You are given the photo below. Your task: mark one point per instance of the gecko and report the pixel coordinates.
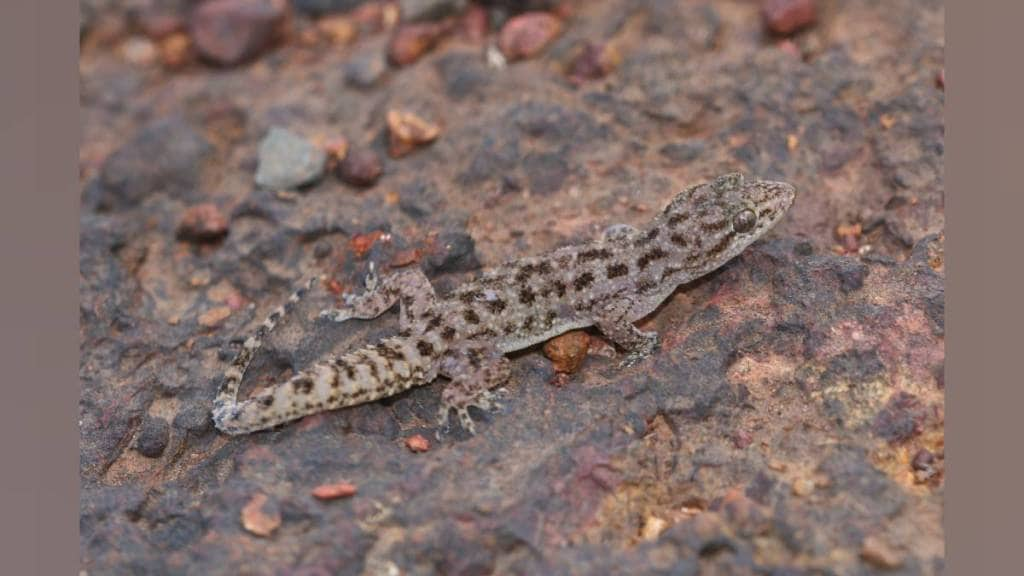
(609, 283)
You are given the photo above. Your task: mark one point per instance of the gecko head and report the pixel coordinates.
(718, 219)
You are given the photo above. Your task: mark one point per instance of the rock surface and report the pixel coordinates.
(791, 422)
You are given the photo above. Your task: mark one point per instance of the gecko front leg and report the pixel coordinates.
(475, 371)
(408, 287)
(613, 322)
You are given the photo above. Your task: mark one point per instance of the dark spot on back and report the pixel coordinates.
(594, 254)
(678, 240)
(469, 296)
(524, 273)
(526, 295)
(678, 217)
(389, 352)
(645, 285)
(425, 348)
(448, 333)
(350, 372)
(302, 385)
(267, 401)
(647, 238)
(616, 270)
(496, 306)
(651, 256)
(670, 270)
(583, 280)
(471, 317)
(528, 323)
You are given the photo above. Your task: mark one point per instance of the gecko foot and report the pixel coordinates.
(487, 400)
(336, 314)
(645, 349)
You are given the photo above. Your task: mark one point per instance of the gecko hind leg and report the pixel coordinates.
(477, 375)
(408, 287)
(613, 324)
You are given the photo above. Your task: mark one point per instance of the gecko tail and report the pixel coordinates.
(370, 373)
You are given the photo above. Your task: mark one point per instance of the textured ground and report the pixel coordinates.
(791, 423)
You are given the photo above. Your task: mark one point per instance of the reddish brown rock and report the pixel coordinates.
(159, 23)
(568, 351)
(334, 491)
(338, 29)
(411, 41)
(417, 443)
(474, 24)
(593, 62)
(360, 167)
(229, 32)
(175, 50)
(203, 223)
(788, 16)
(408, 131)
(261, 516)
(880, 554)
(527, 34)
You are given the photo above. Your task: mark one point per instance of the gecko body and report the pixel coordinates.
(609, 283)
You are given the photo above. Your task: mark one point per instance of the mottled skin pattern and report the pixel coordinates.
(608, 283)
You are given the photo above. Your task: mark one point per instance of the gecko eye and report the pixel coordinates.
(744, 221)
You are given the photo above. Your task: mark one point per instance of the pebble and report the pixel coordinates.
(334, 491)
(365, 69)
(411, 41)
(338, 29)
(261, 516)
(788, 16)
(158, 22)
(175, 50)
(139, 50)
(360, 167)
(426, 10)
(652, 528)
(167, 156)
(474, 25)
(567, 351)
(214, 316)
(322, 7)
(203, 223)
(452, 251)
(526, 35)
(879, 554)
(417, 443)
(408, 132)
(287, 160)
(153, 437)
(593, 62)
(229, 32)
(803, 487)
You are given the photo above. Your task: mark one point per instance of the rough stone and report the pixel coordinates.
(422, 10)
(166, 157)
(229, 32)
(153, 437)
(287, 160)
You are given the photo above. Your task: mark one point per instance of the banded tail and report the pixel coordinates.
(370, 373)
